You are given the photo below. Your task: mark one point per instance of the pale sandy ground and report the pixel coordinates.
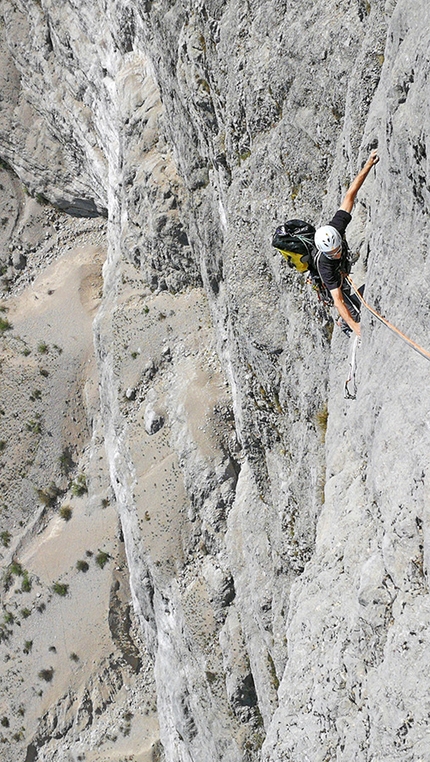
(49, 402)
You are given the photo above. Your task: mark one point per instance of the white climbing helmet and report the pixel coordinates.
(329, 241)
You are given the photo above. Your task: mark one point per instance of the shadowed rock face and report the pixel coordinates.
(278, 569)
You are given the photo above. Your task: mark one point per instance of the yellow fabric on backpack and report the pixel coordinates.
(295, 259)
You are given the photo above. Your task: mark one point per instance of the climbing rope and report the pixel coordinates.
(423, 352)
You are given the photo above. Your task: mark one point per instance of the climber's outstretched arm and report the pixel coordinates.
(348, 201)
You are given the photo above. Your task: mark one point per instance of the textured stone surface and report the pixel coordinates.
(278, 570)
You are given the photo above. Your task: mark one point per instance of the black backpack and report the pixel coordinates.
(295, 241)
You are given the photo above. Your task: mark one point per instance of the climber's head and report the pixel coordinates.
(329, 241)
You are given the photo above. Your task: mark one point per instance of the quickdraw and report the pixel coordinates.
(350, 388)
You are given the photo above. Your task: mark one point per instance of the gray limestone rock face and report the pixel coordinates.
(153, 419)
(276, 534)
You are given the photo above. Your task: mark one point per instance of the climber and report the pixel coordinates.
(331, 244)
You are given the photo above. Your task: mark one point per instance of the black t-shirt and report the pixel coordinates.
(331, 269)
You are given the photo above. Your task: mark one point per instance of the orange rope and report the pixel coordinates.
(413, 344)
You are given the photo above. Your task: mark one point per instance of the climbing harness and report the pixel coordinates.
(350, 388)
(423, 352)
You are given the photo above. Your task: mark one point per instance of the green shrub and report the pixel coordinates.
(5, 538)
(48, 496)
(26, 583)
(42, 347)
(60, 588)
(66, 512)
(102, 558)
(82, 566)
(28, 645)
(79, 486)
(66, 461)
(34, 426)
(16, 568)
(4, 633)
(41, 199)
(5, 325)
(46, 674)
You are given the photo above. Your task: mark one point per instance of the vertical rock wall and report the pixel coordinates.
(278, 571)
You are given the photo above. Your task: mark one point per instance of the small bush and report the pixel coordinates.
(46, 674)
(34, 426)
(42, 347)
(79, 486)
(48, 496)
(5, 325)
(5, 722)
(322, 420)
(4, 633)
(16, 568)
(28, 645)
(74, 657)
(26, 583)
(60, 588)
(25, 613)
(43, 372)
(2, 445)
(102, 558)
(82, 566)
(66, 512)
(5, 538)
(35, 395)
(66, 461)
(41, 199)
